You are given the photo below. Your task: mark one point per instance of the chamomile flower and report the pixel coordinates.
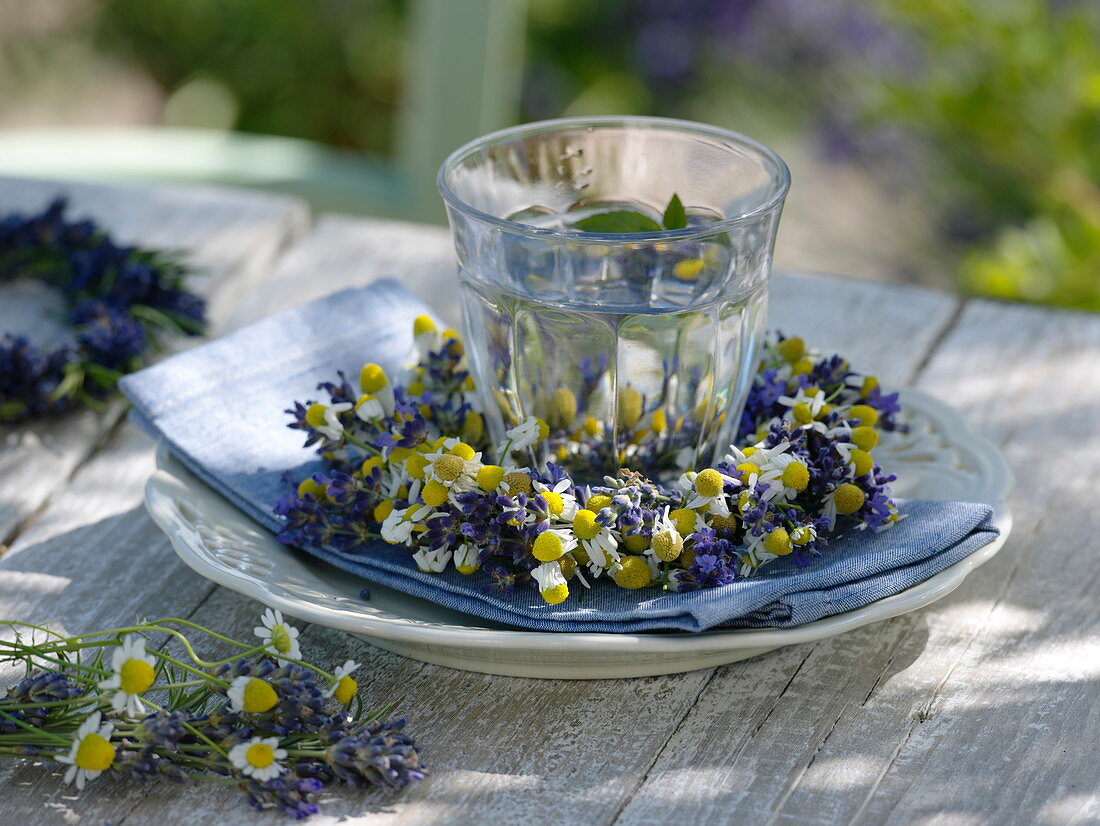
(426, 336)
(344, 686)
(706, 490)
(134, 672)
(432, 562)
(466, 558)
(597, 541)
(330, 426)
(562, 505)
(278, 635)
(805, 408)
(553, 544)
(91, 753)
(369, 408)
(376, 384)
(252, 695)
(527, 433)
(258, 758)
(551, 582)
(667, 543)
(450, 468)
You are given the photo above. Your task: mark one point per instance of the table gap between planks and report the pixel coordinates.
(983, 708)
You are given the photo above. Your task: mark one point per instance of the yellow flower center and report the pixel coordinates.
(280, 638)
(630, 407)
(462, 451)
(796, 476)
(559, 593)
(372, 378)
(95, 753)
(434, 494)
(688, 269)
(802, 413)
(260, 755)
(791, 348)
(345, 689)
(866, 414)
(517, 482)
(746, 470)
(684, 519)
(416, 465)
(659, 421)
(473, 426)
(135, 676)
(369, 464)
(544, 428)
(312, 488)
(554, 503)
(415, 388)
(802, 367)
(636, 542)
(382, 510)
(548, 547)
(667, 545)
(585, 525)
(801, 536)
(259, 696)
(455, 339)
(778, 542)
(489, 477)
(423, 324)
(448, 468)
(568, 566)
(592, 426)
(861, 462)
(865, 438)
(563, 407)
(399, 454)
(598, 502)
(709, 483)
(723, 523)
(869, 384)
(849, 498)
(634, 573)
(315, 415)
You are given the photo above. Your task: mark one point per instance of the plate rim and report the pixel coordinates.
(164, 486)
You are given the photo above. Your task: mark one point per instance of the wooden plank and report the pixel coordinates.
(231, 237)
(980, 709)
(502, 750)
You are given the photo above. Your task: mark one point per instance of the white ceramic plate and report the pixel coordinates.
(940, 458)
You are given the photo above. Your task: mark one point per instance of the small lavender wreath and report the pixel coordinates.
(121, 301)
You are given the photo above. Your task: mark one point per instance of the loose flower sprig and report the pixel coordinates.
(411, 464)
(121, 301)
(262, 719)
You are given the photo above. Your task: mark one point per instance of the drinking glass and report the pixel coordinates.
(637, 349)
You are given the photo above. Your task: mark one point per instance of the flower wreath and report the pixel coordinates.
(410, 462)
(120, 300)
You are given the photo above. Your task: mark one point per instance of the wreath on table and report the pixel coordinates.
(122, 303)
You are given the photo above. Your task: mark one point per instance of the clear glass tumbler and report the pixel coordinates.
(637, 349)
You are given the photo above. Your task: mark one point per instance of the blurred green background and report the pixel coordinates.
(952, 143)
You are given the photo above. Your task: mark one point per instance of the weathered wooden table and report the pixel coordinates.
(984, 708)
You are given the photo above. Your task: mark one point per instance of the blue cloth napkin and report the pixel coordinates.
(220, 409)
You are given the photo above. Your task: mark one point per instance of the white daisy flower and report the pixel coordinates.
(804, 409)
(376, 385)
(134, 671)
(705, 489)
(553, 544)
(552, 583)
(278, 636)
(597, 541)
(369, 408)
(466, 558)
(332, 428)
(344, 686)
(667, 542)
(251, 694)
(258, 758)
(432, 562)
(563, 506)
(426, 336)
(453, 471)
(526, 434)
(91, 753)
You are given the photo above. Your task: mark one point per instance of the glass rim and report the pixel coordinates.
(775, 196)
